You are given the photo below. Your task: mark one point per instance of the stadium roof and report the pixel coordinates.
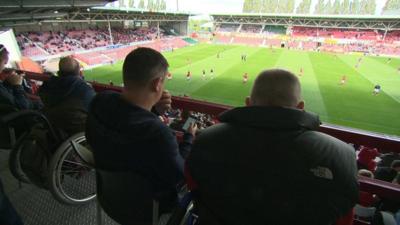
(36, 10)
(16, 15)
(135, 10)
(380, 17)
(385, 22)
(52, 3)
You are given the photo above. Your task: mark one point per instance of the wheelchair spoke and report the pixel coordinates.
(74, 182)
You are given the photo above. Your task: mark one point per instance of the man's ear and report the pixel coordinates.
(247, 101)
(156, 84)
(300, 105)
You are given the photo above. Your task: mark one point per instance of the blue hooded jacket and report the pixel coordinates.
(126, 137)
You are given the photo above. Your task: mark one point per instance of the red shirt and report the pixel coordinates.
(366, 199)
(366, 157)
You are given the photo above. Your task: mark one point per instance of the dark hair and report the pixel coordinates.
(2, 49)
(143, 65)
(395, 164)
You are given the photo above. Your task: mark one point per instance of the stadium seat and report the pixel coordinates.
(364, 212)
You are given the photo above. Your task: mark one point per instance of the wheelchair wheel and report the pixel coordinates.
(71, 180)
(14, 160)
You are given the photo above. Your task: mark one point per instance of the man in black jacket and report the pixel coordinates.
(11, 91)
(266, 163)
(126, 136)
(66, 97)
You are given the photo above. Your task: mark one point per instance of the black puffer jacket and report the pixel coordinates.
(267, 165)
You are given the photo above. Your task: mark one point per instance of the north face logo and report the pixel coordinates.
(322, 172)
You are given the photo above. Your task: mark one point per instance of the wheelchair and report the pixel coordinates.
(69, 178)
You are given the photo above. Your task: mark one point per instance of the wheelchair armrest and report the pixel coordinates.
(6, 119)
(16, 115)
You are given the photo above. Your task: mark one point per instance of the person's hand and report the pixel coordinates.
(15, 79)
(192, 129)
(164, 104)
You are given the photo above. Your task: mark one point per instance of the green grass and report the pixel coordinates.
(350, 105)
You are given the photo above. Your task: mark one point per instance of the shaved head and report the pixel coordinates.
(276, 87)
(68, 66)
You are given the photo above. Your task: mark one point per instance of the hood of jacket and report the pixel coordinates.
(273, 118)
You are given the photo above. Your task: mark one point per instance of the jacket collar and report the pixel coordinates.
(277, 118)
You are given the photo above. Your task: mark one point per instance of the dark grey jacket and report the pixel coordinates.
(15, 96)
(269, 165)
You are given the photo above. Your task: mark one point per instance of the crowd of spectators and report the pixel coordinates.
(64, 41)
(228, 28)
(125, 36)
(251, 28)
(42, 43)
(176, 118)
(336, 33)
(385, 167)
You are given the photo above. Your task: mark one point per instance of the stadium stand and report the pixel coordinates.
(30, 200)
(251, 28)
(228, 27)
(46, 43)
(348, 37)
(114, 54)
(336, 33)
(271, 30)
(56, 42)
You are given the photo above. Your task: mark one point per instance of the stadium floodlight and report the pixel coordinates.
(88, 9)
(55, 11)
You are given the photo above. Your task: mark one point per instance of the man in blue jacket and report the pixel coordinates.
(126, 135)
(66, 97)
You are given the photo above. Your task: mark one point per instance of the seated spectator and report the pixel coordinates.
(366, 158)
(266, 163)
(126, 136)
(367, 199)
(8, 215)
(388, 174)
(388, 158)
(66, 97)
(11, 91)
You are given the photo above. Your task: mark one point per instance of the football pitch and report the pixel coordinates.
(351, 104)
